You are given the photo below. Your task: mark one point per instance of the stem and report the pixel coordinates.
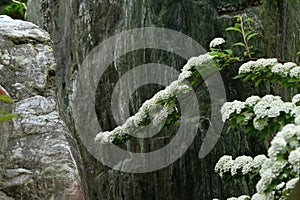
(244, 38)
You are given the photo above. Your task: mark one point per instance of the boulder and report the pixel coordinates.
(39, 158)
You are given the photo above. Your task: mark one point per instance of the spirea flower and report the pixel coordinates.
(224, 165)
(294, 159)
(239, 162)
(246, 67)
(296, 98)
(291, 183)
(277, 146)
(269, 106)
(160, 106)
(256, 164)
(265, 62)
(260, 124)
(231, 107)
(251, 101)
(295, 72)
(215, 42)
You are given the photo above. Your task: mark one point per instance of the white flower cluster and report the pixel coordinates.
(260, 109)
(283, 153)
(215, 42)
(296, 98)
(243, 197)
(287, 69)
(231, 107)
(152, 108)
(289, 135)
(245, 164)
(253, 66)
(285, 143)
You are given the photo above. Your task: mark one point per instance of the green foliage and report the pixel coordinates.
(246, 33)
(224, 58)
(283, 74)
(269, 123)
(16, 9)
(4, 116)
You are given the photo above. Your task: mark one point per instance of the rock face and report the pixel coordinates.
(77, 27)
(38, 155)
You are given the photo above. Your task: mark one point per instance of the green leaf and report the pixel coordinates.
(7, 117)
(258, 82)
(239, 76)
(5, 98)
(248, 37)
(3, 112)
(293, 80)
(229, 51)
(239, 44)
(248, 77)
(233, 29)
(240, 118)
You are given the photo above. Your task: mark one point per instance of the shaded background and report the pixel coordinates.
(78, 26)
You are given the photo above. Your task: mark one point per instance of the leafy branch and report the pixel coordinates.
(16, 9)
(224, 58)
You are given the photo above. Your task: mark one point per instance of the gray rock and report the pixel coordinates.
(38, 157)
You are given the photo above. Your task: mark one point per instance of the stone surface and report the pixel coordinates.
(76, 27)
(38, 156)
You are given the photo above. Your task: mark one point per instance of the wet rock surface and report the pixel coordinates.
(77, 27)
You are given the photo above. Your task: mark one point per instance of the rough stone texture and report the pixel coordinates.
(78, 26)
(38, 159)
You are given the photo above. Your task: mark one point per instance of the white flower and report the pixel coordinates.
(296, 111)
(264, 183)
(280, 186)
(258, 196)
(269, 106)
(283, 69)
(295, 72)
(289, 65)
(297, 120)
(278, 145)
(215, 42)
(260, 124)
(224, 165)
(265, 62)
(239, 162)
(294, 144)
(246, 67)
(251, 101)
(288, 132)
(183, 75)
(104, 137)
(243, 197)
(294, 159)
(291, 183)
(296, 98)
(231, 107)
(259, 160)
(288, 107)
(160, 117)
(279, 69)
(257, 163)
